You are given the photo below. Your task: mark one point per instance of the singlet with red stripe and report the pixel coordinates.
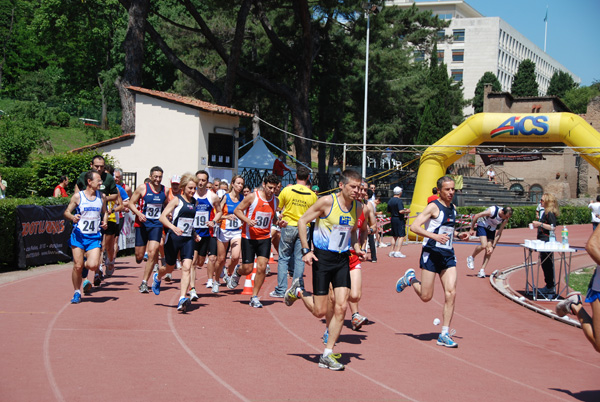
(261, 211)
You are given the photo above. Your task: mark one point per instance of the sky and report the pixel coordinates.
(573, 29)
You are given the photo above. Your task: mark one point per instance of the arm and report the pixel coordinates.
(315, 211)
(354, 238)
(164, 217)
(593, 246)
(416, 227)
(218, 211)
(72, 205)
(137, 194)
(104, 223)
(487, 212)
(240, 210)
(119, 206)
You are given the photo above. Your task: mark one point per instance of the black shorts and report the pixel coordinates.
(143, 235)
(332, 268)
(174, 245)
(120, 226)
(398, 227)
(206, 246)
(436, 262)
(255, 248)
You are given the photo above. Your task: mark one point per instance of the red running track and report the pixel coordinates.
(120, 345)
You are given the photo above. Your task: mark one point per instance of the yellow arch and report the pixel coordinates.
(567, 128)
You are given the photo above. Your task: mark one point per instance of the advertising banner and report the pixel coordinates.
(488, 159)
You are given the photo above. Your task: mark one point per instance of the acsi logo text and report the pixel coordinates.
(528, 125)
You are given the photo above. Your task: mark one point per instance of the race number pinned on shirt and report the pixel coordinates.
(153, 211)
(88, 225)
(447, 230)
(186, 225)
(263, 220)
(201, 219)
(339, 240)
(232, 224)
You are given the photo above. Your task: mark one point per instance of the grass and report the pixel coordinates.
(580, 279)
(64, 139)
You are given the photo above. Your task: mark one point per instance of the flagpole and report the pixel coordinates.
(546, 29)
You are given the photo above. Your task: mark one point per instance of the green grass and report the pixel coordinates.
(580, 279)
(64, 139)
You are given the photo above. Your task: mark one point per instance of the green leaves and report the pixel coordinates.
(524, 83)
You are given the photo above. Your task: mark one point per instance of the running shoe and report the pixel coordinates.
(168, 277)
(276, 295)
(183, 305)
(290, 294)
(234, 280)
(446, 340)
(215, 287)
(398, 254)
(145, 256)
(325, 336)
(268, 270)
(358, 321)
(87, 286)
(155, 284)
(110, 269)
(254, 302)
(331, 362)
(564, 306)
(481, 273)
(178, 264)
(193, 294)
(209, 284)
(405, 281)
(144, 288)
(470, 262)
(392, 254)
(76, 298)
(98, 279)
(383, 245)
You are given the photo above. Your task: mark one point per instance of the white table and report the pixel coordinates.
(532, 275)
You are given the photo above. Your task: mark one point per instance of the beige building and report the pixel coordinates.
(177, 133)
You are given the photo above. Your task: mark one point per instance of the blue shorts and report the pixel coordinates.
(85, 242)
(592, 295)
(436, 262)
(143, 235)
(184, 246)
(482, 231)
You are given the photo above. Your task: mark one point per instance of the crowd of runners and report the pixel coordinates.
(237, 228)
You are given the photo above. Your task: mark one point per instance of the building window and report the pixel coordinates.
(419, 55)
(220, 150)
(440, 56)
(535, 193)
(459, 35)
(457, 75)
(441, 35)
(445, 16)
(458, 55)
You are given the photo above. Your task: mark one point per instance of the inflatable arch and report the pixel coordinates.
(567, 128)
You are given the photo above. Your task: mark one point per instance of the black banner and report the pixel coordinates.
(488, 159)
(42, 235)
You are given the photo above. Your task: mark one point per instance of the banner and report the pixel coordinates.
(42, 235)
(127, 236)
(488, 159)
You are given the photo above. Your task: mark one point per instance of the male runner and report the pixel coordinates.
(149, 232)
(437, 256)
(335, 234)
(257, 212)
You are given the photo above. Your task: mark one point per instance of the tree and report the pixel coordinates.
(560, 83)
(524, 83)
(577, 99)
(487, 78)
(17, 140)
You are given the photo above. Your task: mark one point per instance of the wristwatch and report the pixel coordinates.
(306, 251)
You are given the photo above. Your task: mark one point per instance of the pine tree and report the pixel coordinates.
(487, 78)
(524, 83)
(560, 83)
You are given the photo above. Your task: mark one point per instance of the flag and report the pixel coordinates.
(546, 17)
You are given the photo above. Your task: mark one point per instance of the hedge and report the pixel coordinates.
(8, 223)
(18, 181)
(523, 216)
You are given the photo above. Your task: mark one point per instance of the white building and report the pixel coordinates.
(482, 44)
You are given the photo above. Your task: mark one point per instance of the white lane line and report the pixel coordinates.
(46, 351)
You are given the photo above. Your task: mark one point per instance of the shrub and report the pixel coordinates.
(18, 181)
(18, 139)
(63, 119)
(523, 216)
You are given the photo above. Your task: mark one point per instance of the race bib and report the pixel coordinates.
(263, 220)
(153, 211)
(201, 220)
(339, 239)
(233, 224)
(88, 226)
(448, 231)
(186, 225)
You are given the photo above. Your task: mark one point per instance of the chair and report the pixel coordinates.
(397, 164)
(387, 161)
(371, 161)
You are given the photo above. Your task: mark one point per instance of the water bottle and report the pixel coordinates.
(552, 236)
(565, 237)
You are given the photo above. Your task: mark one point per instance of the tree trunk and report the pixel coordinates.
(134, 60)
(104, 115)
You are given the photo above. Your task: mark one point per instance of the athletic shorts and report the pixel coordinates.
(276, 227)
(332, 268)
(184, 246)
(85, 242)
(592, 295)
(143, 235)
(225, 236)
(354, 262)
(252, 249)
(111, 228)
(398, 227)
(206, 246)
(482, 231)
(436, 262)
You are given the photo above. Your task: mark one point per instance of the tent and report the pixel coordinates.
(258, 157)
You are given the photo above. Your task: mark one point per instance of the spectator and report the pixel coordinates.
(491, 175)
(547, 223)
(3, 185)
(434, 195)
(398, 220)
(279, 167)
(595, 208)
(61, 188)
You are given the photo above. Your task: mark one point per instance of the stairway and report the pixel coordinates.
(481, 192)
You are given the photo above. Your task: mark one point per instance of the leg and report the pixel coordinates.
(548, 268)
(186, 269)
(221, 255)
(298, 263)
(424, 288)
(590, 325)
(261, 270)
(339, 312)
(448, 278)
(372, 247)
(77, 267)
(286, 248)
(356, 290)
(152, 248)
(236, 253)
(480, 247)
(139, 254)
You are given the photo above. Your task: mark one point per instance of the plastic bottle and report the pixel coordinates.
(552, 236)
(565, 237)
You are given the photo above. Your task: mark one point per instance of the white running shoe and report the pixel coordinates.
(209, 284)
(193, 295)
(470, 262)
(215, 287)
(398, 254)
(481, 273)
(178, 264)
(392, 254)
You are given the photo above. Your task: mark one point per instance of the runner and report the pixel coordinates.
(257, 212)
(335, 235)
(125, 192)
(110, 234)
(204, 224)
(149, 232)
(572, 303)
(90, 216)
(489, 233)
(172, 192)
(229, 234)
(180, 238)
(438, 254)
